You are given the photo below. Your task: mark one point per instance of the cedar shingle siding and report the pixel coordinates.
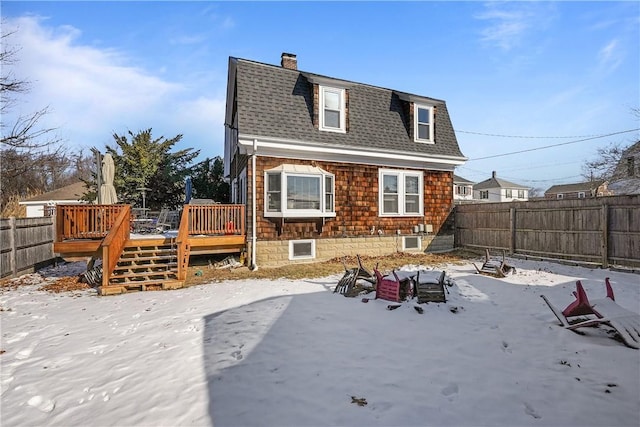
(356, 201)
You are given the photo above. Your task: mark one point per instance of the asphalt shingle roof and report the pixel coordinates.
(495, 182)
(573, 188)
(460, 180)
(278, 102)
(70, 192)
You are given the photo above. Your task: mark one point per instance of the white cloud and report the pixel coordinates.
(610, 56)
(510, 22)
(94, 92)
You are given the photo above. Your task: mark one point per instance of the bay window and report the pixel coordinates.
(299, 191)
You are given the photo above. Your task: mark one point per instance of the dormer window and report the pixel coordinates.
(423, 119)
(332, 102)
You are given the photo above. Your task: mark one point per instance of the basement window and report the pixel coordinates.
(411, 243)
(302, 249)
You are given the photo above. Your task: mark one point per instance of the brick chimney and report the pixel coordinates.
(289, 61)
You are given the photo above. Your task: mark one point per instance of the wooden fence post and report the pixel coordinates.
(604, 219)
(512, 226)
(12, 242)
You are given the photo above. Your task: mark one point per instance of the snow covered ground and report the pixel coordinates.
(292, 353)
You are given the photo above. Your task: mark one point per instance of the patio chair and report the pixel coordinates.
(606, 311)
(493, 267)
(351, 276)
(387, 288)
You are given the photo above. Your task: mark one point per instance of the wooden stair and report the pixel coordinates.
(145, 266)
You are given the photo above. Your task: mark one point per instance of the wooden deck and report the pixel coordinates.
(104, 232)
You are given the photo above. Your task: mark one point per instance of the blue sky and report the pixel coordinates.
(553, 72)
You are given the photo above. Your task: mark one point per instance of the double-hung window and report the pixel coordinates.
(508, 193)
(295, 191)
(332, 109)
(462, 190)
(423, 119)
(484, 194)
(400, 193)
(520, 194)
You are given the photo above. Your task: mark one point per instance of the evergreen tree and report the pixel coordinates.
(208, 180)
(146, 162)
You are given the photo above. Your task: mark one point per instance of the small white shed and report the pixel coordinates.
(44, 204)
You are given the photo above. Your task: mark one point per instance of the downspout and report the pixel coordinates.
(254, 239)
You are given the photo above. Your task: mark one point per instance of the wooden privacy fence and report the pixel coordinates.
(25, 244)
(603, 231)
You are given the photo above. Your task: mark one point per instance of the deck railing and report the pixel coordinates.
(215, 219)
(114, 243)
(113, 223)
(85, 221)
(182, 242)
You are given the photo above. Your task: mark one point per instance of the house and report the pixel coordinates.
(328, 167)
(626, 176)
(497, 189)
(44, 204)
(580, 190)
(462, 189)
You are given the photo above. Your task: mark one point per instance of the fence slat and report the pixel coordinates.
(603, 230)
(26, 243)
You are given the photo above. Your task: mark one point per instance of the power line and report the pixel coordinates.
(553, 145)
(525, 136)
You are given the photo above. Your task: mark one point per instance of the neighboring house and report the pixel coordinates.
(462, 189)
(497, 189)
(626, 177)
(329, 167)
(581, 190)
(44, 204)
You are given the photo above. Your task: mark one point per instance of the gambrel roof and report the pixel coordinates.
(276, 102)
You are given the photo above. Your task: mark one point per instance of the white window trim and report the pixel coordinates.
(300, 213)
(342, 93)
(404, 243)
(401, 174)
(313, 249)
(416, 107)
(581, 195)
(559, 196)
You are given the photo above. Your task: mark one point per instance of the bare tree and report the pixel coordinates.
(27, 150)
(608, 158)
(604, 165)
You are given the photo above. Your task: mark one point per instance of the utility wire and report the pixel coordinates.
(525, 136)
(553, 145)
